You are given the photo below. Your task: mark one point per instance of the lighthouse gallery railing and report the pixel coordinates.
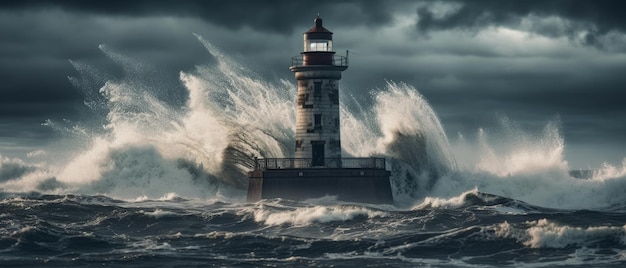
(291, 163)
(337, 60)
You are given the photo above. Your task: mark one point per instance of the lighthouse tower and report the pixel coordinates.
(318, 170)
(318, 70)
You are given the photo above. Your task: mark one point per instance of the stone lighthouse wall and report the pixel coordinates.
(317, 119)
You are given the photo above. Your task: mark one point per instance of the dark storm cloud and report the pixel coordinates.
(594, 18)
(587, 96)
(268, 16)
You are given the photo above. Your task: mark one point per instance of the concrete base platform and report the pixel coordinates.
(348, 184)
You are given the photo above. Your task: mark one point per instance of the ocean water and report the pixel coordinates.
(474, 229)
(155, 180)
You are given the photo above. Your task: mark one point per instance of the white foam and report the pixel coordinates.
(453, 202)
(158, 213)
(306, 216)
(169, 196)
(547, 234)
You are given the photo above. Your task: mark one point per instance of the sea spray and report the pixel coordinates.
(403, 128)
(147, 147)
(138, 144)
(224, 124)
(232, 116)
(527, 166)
(13, 168)
(609, 172)
(17, 175)
(402, 110)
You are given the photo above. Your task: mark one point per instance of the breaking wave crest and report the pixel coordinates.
(308, 215)
(147, 146)
(529, 167)
(408, 133)
(547, 234)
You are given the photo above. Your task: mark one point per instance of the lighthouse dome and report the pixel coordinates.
(318, 38)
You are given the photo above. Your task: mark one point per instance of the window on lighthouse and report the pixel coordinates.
(317, 121)
(318, 45)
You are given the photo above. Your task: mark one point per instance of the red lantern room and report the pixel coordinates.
(318, 45)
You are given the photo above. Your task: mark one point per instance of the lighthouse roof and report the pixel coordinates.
(317, 27)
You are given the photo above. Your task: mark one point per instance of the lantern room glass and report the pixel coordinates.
(318, 45)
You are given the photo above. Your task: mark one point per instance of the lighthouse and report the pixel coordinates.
(317, 168)
(318, 71)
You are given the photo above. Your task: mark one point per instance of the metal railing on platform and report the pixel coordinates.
(338, 60)
(291, 163)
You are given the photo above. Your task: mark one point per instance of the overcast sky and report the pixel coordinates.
(475, 61)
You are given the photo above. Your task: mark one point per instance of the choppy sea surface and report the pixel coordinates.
(473, 229)
(155, 176)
